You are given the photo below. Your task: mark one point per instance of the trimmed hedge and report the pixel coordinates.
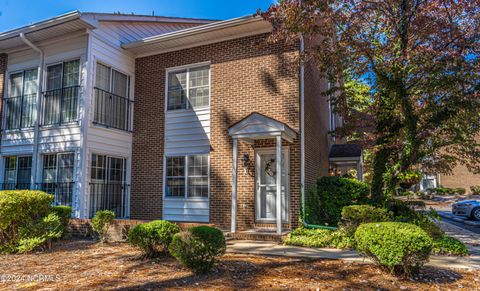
(401, 248)
(154, 237)
(27, 221)
(198, 248)
(101, 223)
(324, 202)
(63, 212)
(354, 215)
(475, 190)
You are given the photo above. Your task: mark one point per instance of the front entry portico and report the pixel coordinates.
(272, 194)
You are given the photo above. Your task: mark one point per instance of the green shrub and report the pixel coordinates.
(198, 248)
(41, 234)
(401, 248)
(459, 191)
(320, 238)
(154, 237)
(64, 213)
(449, 191)
(324, 201)
(475, 190)
(449, 246)
(101, 223)
(20, 210)
(354, 215)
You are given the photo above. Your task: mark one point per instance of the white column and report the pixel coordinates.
(279, 185)
(234, 185)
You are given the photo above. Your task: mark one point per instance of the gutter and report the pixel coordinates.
(302, 143)
(38, 105)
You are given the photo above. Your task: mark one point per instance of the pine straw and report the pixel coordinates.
(85, 265)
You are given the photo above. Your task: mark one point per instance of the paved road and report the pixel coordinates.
(475, 229)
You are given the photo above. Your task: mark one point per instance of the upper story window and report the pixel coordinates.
(20, 104)
(61, 96)
(188, 88)
(112, 104)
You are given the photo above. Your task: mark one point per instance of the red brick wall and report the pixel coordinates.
(3, 69)
(316, 126)
(245, 77)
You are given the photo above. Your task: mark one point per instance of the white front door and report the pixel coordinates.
(266, 189)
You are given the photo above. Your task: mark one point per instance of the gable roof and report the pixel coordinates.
(75, 21)
(259, 126)
(200, 35)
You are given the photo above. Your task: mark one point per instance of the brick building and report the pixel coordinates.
(188, 120)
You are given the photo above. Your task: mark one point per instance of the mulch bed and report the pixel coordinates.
(86, 265)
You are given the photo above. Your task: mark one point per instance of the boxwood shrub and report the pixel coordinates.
(154, 237)
(27, 221)
(101, 223)
(401, 248)
(320, 238)
(354, 215)
(198, 248)
(324, 201)
(449, 246)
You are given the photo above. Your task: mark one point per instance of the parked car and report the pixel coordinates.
(468, 208)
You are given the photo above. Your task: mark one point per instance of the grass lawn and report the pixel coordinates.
(86, 265)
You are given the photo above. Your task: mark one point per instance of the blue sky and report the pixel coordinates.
(16, 13)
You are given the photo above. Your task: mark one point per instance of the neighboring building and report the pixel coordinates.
(165, 118)
(460, 178)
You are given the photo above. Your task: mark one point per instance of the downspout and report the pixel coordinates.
(302, 143)
(38, 105)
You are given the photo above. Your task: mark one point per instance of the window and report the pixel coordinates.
(18, 172)
(112, 104)
(21, 102)
(187, 176)
(61, 95)
(188, 88)
(108, 189)
(58, 177)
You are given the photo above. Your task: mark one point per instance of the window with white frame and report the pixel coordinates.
(20, 104)
(58, 176)
(187, 176)
(112, 103)
(188, 88)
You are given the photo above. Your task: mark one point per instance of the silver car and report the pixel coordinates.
(468, 208)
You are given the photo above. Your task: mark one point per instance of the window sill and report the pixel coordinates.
(186, 199)
(63, 125)
(188, 110)
(15, 130)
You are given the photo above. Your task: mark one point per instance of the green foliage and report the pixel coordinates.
(399, 247)
(403, 212)
(198, 248)
(446, 245)
(41, 233)
(324, 201)
(320, 238)
(354, 215)
(64, 213)
(448, 191)
(475, 190)
(154, 237)
(23, 216)
(101, 223)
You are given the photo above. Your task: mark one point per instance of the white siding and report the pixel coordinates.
(187, 132)
(186, 210)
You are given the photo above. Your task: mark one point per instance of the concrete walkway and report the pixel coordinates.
(275, 249)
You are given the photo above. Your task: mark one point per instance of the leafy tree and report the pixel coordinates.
(421, 60)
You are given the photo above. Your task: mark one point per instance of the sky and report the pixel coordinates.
(17, 13)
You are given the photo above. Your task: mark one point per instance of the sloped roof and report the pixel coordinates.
(345, 151)
(258, 126)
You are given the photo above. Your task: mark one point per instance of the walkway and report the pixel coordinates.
(275, 249)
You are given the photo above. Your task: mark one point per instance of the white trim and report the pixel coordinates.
(302, 127)
(234, 185)
(188, 68)
(194, 30)
(271, 150)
